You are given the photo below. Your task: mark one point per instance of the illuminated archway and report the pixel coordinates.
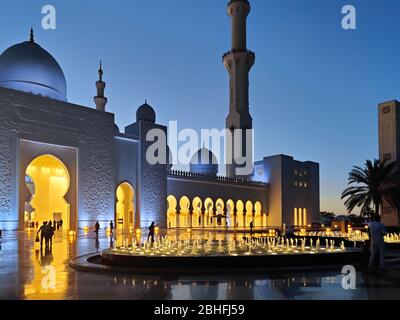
(240, 219)
(197, 214)
(48, 180)
(258, 214)
(220, 220)
(230, 208)
(249, 213)
(125, 207)
(171, 213)
(184, 205)
(209, 212)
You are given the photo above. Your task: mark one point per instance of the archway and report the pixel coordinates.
(209, 212)
(171, 213)
(258, 215)
(184, 205)
(249, 213)
(197, 214)
(48, 180)
(125, 207)
(220, 214)
(240, 222)
(230, 207)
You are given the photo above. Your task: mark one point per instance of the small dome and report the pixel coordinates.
(146, 113)
(204, 162)
(29, 68)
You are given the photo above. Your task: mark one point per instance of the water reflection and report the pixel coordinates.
(27, 272)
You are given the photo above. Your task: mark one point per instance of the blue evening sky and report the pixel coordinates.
(314, 87)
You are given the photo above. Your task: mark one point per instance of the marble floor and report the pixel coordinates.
(26, 272)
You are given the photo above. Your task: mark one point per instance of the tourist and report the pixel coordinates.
(42, 231)
(61, 223)
(377, 231)
(151, 232)
(49, 233)
(251, 227)
(97, 228)
(111, 228)
(37, 224)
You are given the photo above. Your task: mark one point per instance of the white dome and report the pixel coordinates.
(28, 67)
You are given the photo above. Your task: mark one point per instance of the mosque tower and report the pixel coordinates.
(100, 100)
(238, 62)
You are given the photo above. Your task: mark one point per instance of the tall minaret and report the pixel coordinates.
(100, 100)
(238, 62)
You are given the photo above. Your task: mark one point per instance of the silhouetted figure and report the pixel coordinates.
(42, 231)
(48, 234)
(37, 224)
(377, 231)
(97, 228)
(61, 223)
(151, 232)
(251, 227)
(111, 228)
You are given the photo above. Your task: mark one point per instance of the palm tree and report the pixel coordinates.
(371, 185)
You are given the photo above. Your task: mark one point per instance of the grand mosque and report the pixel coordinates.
(60, 160)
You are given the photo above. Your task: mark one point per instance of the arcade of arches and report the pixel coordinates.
(207, 213)
(48, 181)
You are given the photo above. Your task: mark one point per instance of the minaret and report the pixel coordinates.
(100, 100)
(238, 62)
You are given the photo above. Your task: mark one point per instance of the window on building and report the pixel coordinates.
(301, 184)
(387, 156)
(305, 184)
(295, 183)
(386, 109)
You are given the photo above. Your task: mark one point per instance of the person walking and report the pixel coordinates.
(151, 232)
(111, 228)
(97, 228)
(251, 227)
(49, 233)
(376, 230)
(42, 231)
(61, 223)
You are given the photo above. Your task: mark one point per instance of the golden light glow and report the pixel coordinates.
(48, 186)
(86, 229)
(125, 207)
(138, 231)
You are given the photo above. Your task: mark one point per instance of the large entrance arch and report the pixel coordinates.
(48, 181)
(125, 208)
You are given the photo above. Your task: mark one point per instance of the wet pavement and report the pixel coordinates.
(26, 272)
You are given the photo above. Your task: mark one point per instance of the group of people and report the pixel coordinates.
(46, 231)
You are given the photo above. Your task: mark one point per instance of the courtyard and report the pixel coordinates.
(28, 273)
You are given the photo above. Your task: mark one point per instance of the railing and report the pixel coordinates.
(206, 177)
(236, 51)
